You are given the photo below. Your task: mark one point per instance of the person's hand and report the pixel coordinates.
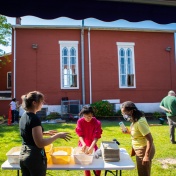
(145, 160)
(64, 135)
(83, 148)
(169, 111)
(127, 131)
(50, 132)
(89, 151)
(133, 152)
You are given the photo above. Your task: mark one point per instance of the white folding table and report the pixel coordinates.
(125, 163)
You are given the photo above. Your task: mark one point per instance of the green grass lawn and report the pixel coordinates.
(9, 137)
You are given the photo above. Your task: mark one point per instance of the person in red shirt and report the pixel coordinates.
(89, 131)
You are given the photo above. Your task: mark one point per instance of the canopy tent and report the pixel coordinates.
(159, 11)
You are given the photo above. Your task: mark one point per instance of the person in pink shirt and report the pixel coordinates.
(89, 131)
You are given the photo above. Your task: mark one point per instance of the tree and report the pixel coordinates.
(5, 37)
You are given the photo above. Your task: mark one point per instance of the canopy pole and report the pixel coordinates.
(82, 58)
(14, 66)
(90, 68)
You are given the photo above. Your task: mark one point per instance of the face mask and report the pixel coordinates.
(127, 117)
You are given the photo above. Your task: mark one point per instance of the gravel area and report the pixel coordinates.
(166, 162)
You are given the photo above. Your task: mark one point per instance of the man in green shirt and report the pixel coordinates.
(168, 104)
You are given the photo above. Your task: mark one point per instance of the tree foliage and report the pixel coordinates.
(5, 33)
(5, 38)
(4, 60)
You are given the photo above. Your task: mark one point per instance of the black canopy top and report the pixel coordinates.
(159, 11)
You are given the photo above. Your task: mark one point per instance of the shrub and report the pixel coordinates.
(53, 115)
(157, 115)
(102, 108)
(118, 113)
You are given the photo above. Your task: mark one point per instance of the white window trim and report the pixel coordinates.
(7, 80)
(69, 44)
(131, 46)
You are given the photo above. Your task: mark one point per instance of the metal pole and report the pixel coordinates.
(90, 68)
(14, 66)
(82, 58)
(175, 47)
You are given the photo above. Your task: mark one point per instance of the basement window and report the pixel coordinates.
(5, 95)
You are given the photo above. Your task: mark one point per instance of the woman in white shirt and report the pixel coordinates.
(13, 109)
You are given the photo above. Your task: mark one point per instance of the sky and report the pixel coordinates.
(31, 20)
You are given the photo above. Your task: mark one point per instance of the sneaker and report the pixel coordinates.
(174, 142)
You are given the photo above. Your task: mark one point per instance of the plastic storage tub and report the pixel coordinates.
(61, 155)
(48, 151)
(82, 158)
(13, 155)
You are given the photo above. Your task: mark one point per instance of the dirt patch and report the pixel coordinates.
(166, 162)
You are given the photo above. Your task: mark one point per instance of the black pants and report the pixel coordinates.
(33, 161)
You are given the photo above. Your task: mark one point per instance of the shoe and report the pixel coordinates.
(173, 142)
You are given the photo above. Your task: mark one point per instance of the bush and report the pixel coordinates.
(102, 108)
(118, 113)
(53, 115)
(157, 115)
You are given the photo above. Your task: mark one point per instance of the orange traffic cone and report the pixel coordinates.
(9, 117)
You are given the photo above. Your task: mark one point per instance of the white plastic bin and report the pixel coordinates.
(82, 158)
(13, 155)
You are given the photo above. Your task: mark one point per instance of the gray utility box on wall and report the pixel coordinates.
(70, 107)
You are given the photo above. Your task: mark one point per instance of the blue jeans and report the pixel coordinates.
(16, 116)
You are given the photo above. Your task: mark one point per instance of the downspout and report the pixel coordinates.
(175, 47)
(90, 68)
(14, 65)
(82, 57)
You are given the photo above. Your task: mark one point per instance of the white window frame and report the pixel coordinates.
(125, 46)
(9, 87)
(69, 45)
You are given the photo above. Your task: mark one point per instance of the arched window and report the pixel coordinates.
(126, 65)
(69, 64)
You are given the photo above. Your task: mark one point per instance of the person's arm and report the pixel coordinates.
(80, 132)
(83, 143)
(148, 148)
(97, 135)
(165, 109)
(41, 142)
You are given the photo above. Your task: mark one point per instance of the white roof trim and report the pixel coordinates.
(92, 28)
